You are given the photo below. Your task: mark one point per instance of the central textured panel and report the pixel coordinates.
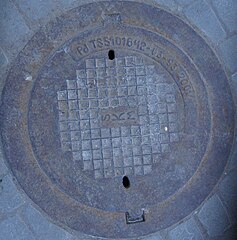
(118, 117)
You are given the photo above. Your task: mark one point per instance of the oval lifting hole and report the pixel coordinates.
(111, 55)
(126, 182)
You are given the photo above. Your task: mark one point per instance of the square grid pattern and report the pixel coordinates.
(125, 150)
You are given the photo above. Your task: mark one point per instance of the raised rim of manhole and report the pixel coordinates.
(116, 115)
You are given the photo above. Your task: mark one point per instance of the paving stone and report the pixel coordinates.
(234, 77)
(184, 2)
(228, 190)
(234, 82)
(186, 231)
(152, 237)
(155, 236)
(229, 53)
(44, 230)
(230, 234)
(233, 161)
(200, 14)
(14, 31)
(10, 197)
(14, 229)
(3, 75)
(227, 10)
(37, 12)
(85, 237)
(214, 217)
(3, 167)
(171, 4)
(3, 59)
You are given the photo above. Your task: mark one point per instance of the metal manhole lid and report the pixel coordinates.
(115, 118)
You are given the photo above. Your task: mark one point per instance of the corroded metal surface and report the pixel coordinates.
(112, 90)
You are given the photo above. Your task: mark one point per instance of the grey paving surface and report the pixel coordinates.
(3, 167)
(14, 31)
(214, 217)
(198, 13)
(228, 193)
(3, 58)
(10, 198)
(217, 217)
(14, 228)
(229, 52)
(226, 10)
(184, 2)
(41, 227)
(187, 230)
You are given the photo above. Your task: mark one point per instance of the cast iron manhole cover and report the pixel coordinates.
(117, 119)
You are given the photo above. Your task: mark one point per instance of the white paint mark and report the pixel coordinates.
(29, 78)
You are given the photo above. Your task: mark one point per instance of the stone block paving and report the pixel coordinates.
(186, 230)
(233, 163)
(217, 217)
(228, 193)
(41, 226)
(14, 228)
(3, 167)
(10, 198)
(201, 15)
(184, 2)
(14, 31)
(229, 53)
(45, 10)
(227, 10)
(3, 59)
(214, 217)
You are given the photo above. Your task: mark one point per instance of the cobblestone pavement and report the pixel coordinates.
(216, 219)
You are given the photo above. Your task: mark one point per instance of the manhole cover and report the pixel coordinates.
(117, 119)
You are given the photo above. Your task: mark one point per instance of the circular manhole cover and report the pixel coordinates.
(118, 119)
